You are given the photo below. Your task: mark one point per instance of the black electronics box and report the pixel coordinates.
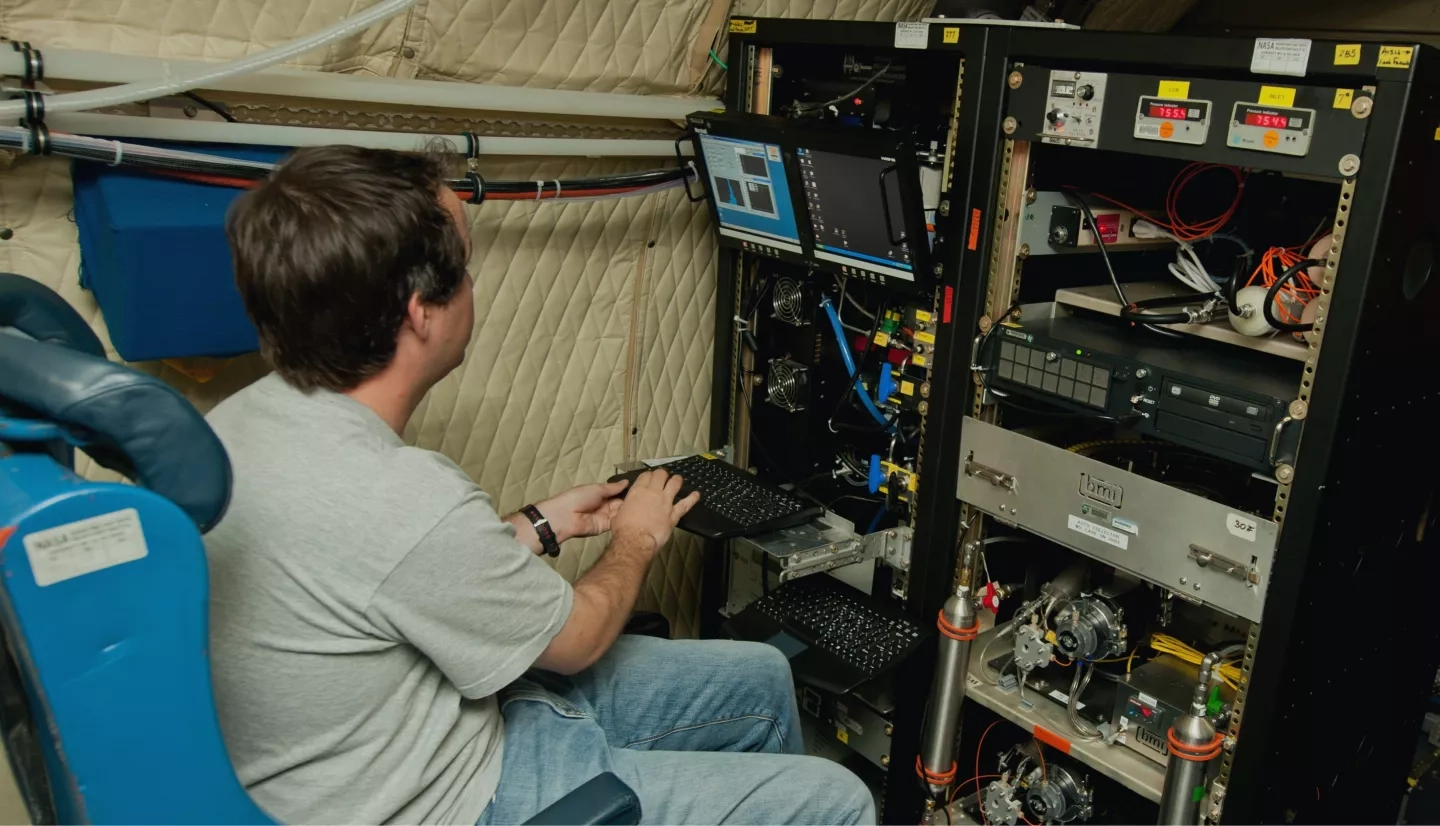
(1225, 401)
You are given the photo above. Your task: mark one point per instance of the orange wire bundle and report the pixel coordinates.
(1300, 288)
(1175, 224)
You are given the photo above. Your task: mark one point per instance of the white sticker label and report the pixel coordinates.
(1147, 699)
(1273, 56)
(912, 35)
(1065, 698)
(1241, 526)
(1126, 525)
(84, 547)
(1099, 532)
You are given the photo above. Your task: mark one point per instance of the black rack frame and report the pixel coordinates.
(1353, 538)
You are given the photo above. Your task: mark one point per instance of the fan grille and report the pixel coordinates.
(789, 301)
(785, 384)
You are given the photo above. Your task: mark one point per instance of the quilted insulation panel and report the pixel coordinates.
(641, 46)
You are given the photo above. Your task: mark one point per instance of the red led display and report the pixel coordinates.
(1266, 121)
(1160, 110)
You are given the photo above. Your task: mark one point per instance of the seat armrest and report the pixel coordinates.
(602, 800)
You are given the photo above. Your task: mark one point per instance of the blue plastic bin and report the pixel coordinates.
(153, 251)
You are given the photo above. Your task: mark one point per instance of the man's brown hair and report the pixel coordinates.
(328, 251)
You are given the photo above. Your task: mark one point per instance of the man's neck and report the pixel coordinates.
(392, 396)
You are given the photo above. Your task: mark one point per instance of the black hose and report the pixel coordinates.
(1135, 311)
(1268, 308)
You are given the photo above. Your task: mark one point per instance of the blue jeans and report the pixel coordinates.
(703, 731)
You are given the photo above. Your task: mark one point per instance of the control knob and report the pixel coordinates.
(1056, 117)
(1085, 92)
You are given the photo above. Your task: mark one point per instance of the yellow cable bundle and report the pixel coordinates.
(1166, 644)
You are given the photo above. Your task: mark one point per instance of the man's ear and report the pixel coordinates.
(417, 317)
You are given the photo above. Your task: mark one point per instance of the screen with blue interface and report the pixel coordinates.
(747, 181)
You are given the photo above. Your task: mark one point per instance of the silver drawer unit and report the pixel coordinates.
(1202, 550)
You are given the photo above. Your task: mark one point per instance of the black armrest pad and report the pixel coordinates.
(601, 801)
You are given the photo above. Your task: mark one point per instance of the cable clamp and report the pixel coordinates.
(34, 63)
(34, 106)
(742, 325)
(478, 187)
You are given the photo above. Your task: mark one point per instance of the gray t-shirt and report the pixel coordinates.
(366, 603)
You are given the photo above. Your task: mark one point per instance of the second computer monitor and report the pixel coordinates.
(856, 213)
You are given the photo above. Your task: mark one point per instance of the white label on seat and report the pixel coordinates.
(86, 546)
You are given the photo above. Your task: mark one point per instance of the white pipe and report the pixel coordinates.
(100, 67)
(168, 84)
(174, 129)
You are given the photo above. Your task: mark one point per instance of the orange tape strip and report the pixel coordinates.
(1051, 739)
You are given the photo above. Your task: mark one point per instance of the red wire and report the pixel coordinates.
(978, 746)
(1177, 226)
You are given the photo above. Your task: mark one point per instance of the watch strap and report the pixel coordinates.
(549, 542)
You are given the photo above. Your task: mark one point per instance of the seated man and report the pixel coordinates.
(385, 646)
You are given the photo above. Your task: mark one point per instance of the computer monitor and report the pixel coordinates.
(862, 218)
(753, 207)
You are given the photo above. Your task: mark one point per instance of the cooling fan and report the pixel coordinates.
(787, 385)
(789, 301)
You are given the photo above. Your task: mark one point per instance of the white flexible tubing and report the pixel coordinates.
(103, 67)
(145, 90)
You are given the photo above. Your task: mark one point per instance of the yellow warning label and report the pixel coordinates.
(951, 34)
(741, 26)
(1276, 96)
(882, 339)
(1395, 57)
(925, 338)
(1174, 89)
(922, 316)
(712, 457)
(1347, 54)
(1343, 98)
(914, 483)
(907, 388)
(919, 360)
(1437, 137)
(842, 735)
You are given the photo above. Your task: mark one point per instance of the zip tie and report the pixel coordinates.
(557, 189)
(119, 153)
(539, 189)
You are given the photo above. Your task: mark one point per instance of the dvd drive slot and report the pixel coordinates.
(1203, 550)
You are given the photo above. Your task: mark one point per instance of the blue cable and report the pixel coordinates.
(850, 366)
(875, 523)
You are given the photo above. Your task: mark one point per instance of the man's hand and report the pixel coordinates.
(649, 511)
(606, 594)
(583, 511)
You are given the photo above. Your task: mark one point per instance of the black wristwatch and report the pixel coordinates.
(549, 543)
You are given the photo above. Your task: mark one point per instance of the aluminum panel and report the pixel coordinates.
(1122, 519)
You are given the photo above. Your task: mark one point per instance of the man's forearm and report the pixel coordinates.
(607, 594)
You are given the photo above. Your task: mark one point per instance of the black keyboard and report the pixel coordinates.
(852, 637)
(732, 502)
